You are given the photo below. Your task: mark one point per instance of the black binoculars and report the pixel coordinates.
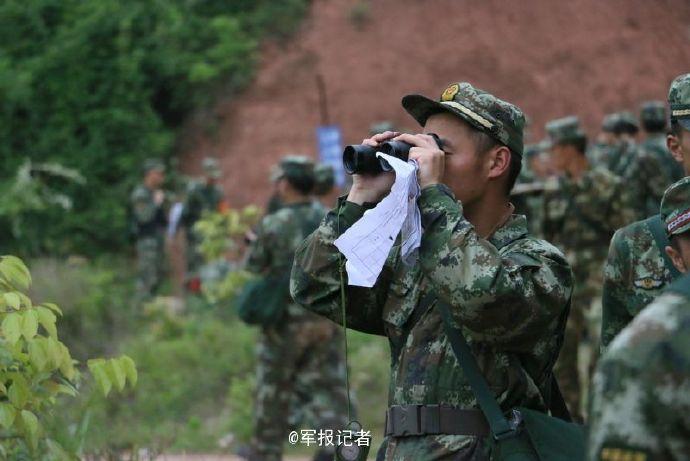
(361, 159)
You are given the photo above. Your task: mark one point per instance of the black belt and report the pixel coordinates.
(409, 420)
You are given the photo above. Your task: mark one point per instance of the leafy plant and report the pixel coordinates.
(222, 239)
(100, 86)
(36, 367)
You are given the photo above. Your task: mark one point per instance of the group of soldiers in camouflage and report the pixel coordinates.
(582, 197)
(599, 259)
(152, 215)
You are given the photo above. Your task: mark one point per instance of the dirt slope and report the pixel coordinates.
(584, 57)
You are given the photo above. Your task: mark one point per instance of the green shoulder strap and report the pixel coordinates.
(681, 286)
(656, 227)
(500, 427)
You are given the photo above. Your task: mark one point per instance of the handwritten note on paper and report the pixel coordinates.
(368, 242)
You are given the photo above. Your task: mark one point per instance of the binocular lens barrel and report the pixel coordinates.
(361, 159)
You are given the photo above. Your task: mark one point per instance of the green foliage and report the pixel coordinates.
(99, 86)
(36, 367)
(223, 232)
(35, 189)
(222, 237)
(186, 365)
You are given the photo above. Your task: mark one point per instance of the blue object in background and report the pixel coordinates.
(330, 142)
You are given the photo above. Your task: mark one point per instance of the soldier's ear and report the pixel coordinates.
(499, 161)
(676, 258)
(674, 146)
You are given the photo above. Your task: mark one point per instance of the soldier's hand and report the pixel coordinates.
(372, 188)
(158, 197)
(429, 156)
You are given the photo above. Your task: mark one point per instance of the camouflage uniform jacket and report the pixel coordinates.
(149, 219)
(640, 407)
(201, 197)
(623, 155)
(634, 274)
(650, 172)
(277, 237)
(509, 294)
(582, 215)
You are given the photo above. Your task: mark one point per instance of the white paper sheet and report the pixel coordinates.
(368, 242)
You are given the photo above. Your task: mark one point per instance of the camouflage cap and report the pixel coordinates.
(608, 124)
(532, 150)
(325, 178)
(152, 164)
(626, 123)
(296, 167)
(653, 111)
(564, 130)
(679, 100)
(675, 207)
(211, 167)
(499, 119)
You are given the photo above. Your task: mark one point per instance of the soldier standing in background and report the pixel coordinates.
(528, 193)
(625, 150)
(320, 399)
(299, 343)
(149, 220)
(637, 269)
(640, 406)
(203, 196)
(602, 152)
(652, 168)
(664, 169)
(582, 213)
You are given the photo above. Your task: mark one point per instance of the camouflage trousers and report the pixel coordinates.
(580, 348)
(150, 266)
(435, 448)
(194, 258)
(300, 382)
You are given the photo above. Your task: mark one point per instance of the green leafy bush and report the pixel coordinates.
(99, 86)
(186, 366)
(36, 368)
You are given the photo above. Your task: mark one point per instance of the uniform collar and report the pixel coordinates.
(514, 229)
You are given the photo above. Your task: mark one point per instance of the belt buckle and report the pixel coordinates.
(430, 419)
(406, 420)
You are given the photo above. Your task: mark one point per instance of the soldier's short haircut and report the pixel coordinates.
(580, 144)
(484, 143)
(654, 126)
(304, 185)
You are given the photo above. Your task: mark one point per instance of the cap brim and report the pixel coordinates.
(685, 123)
(681, 230)
(421, 108)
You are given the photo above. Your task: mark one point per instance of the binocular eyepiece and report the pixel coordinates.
(362, 159)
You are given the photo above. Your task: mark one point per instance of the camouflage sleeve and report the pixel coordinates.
(617, 278)
(624, 208)
(510, 299)
(259, 255)
(143, 207)
(317, 270)
(640, 405)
